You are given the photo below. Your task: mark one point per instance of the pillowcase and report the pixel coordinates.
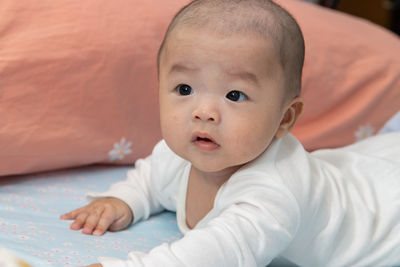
(79, 80)
(351, 76)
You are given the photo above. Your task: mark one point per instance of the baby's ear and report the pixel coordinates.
(293, 111)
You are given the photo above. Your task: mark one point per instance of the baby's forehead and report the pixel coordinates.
(236, 55)
(187, 38)
(240, 19)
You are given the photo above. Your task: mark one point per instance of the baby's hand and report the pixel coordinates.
(100, 215)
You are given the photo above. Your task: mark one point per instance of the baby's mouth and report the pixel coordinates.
(204, 142)
(203, 139)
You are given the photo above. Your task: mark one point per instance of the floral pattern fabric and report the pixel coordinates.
(120, 150)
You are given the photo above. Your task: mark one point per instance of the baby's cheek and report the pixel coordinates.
(174, 131)
(168, 120)
(250, 144)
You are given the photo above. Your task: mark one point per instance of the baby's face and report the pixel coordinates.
(221, 98)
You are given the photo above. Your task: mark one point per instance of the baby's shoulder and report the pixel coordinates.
(164, 158)
(165, 164)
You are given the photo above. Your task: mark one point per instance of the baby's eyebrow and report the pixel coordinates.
(240, 74)
(244, 75)
(178, 67)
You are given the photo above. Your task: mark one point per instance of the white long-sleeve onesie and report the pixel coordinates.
(337, 207)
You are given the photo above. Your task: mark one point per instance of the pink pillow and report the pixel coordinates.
(76, 78)
(351, 77)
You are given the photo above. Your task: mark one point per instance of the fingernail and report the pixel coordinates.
(97, 232)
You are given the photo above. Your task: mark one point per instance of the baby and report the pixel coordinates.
(243, 188)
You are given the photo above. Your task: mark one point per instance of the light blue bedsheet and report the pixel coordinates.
(30, 207)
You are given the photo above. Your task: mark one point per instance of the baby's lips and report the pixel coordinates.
(203, 136)
(204, 142)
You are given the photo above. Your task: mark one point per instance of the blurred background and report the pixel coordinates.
(383, 12)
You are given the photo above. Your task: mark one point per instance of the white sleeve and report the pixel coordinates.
(135, 191)
(247, 234)
(151, 186)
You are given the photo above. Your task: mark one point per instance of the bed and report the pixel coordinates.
(78, 106)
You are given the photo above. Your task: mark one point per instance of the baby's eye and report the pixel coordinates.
(236, 96)
(184, 89)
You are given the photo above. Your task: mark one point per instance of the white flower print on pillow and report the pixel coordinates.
(120, 150)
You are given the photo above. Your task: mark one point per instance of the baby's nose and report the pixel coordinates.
(206, 113)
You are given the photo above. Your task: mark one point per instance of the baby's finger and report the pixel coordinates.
(106, 219)
(101, 227)
(79, 221)
(71, 215)
(92, 220)
(119, 223)
(90, 224)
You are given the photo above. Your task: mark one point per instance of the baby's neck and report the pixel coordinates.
(201, 191)
(214, 178)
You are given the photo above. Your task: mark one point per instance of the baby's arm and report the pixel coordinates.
(100, 215)
(125, 202)
(250, 230)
